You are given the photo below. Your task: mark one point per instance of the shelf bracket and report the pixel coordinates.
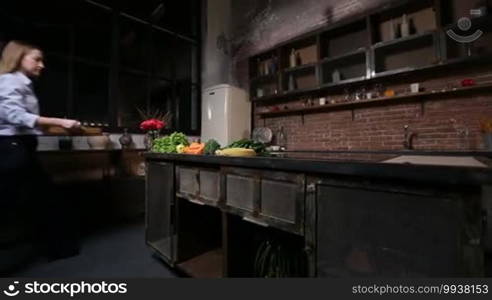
(422, 108)
(302, 118)
(353, 115)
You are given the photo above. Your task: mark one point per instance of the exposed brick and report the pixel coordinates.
(377, 127)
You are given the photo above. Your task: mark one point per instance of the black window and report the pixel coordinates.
(106, 59)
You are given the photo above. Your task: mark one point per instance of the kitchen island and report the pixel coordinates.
(351, 214)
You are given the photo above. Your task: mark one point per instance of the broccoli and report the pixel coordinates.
(211, 146)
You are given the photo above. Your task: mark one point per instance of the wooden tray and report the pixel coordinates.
(82, 131)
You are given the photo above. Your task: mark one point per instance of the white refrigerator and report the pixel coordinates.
(226, 114)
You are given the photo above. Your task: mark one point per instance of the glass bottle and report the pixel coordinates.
(292, 58)
(336, 76)
(281, 138)
(292, 83)
(405, 27)
(298, 59)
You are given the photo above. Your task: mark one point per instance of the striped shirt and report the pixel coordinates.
(19, 107)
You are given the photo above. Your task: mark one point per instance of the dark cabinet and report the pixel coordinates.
(369, 229)
(210, 221)
(266, 198)
(160, 212)
(198, 185)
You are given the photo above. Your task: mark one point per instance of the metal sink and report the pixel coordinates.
(436, 160)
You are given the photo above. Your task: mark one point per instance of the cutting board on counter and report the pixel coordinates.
(82, 131)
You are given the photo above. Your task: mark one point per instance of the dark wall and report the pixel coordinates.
(258, 25)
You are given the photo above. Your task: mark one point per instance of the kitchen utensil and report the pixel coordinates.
(263, 135)
(82, 131)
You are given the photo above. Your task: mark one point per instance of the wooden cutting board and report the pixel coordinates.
(82, 131)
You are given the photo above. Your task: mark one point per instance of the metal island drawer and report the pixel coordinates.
(266, 198)
(199, 185)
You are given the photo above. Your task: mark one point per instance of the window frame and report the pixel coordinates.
(115, 67)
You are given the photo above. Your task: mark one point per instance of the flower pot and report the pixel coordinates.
(149, 138)
(487, 139)
(98, 142)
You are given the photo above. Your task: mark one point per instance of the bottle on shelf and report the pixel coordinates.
(411, 26)
(298, 59)
(392, 30)
(292, 58)
(259, 68)
(259, 93)
(292, 83)
(336, 76)
(281, 139)
(405, 26)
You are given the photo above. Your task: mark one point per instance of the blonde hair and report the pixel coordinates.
(13, 54)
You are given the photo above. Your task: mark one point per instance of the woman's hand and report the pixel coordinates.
(69, 124)
(64, 123)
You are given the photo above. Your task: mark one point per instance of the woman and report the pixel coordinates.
(23, 184)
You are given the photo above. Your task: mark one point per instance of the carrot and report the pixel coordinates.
(195, 148)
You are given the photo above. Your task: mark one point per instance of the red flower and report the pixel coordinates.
(152, 124)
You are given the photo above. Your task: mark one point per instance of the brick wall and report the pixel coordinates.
(445, 123)
(381, 128)
(448, 122)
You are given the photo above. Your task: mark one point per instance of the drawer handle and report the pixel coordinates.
(255, 222)
(196, 202)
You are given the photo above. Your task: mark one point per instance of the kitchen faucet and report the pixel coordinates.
(408, 138)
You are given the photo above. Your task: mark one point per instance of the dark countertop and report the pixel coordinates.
(355, 163)
(74, 151)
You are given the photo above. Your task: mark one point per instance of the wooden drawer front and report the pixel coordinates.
(210, 185)
(279, 199)
(188, 181)
(241, 192)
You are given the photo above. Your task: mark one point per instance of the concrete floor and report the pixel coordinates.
(118, 251)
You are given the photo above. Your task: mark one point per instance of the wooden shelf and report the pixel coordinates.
(344, 82)
(376, 101)
(300, 68)
(381, 58)
(268, 97)
(377, 76)
(342, 57)
(264, 78)
(403, 41)
(207, 265)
